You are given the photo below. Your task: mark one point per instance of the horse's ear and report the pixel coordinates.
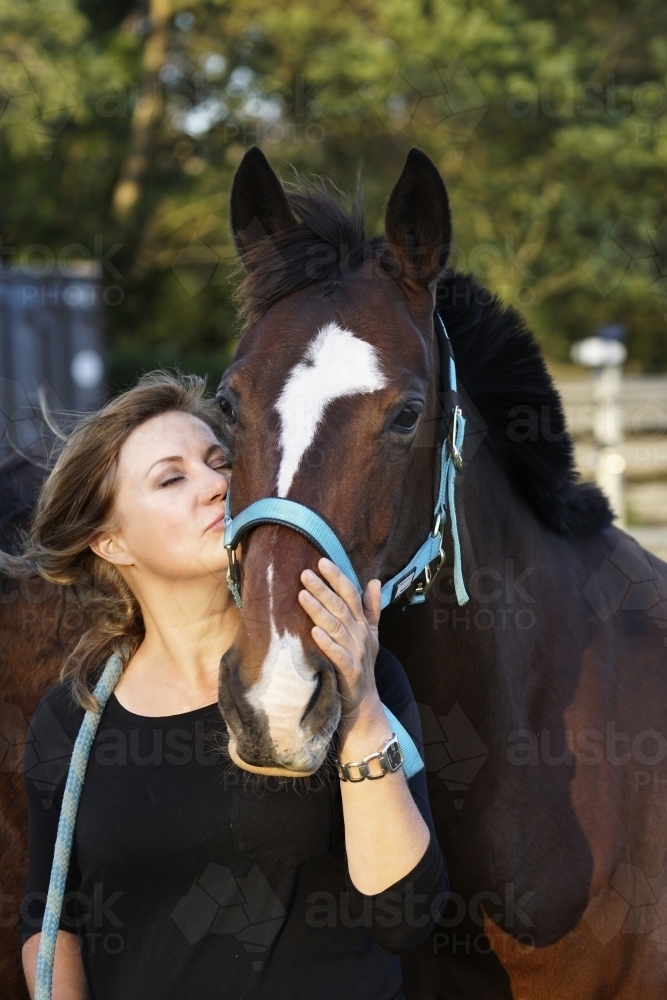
(418, 224)
(258, 205)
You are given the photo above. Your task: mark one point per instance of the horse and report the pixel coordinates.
(544, 699)
(32, 652)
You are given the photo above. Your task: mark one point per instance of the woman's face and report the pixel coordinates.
(173, 477)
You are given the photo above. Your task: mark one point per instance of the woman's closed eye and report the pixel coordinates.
(171, 479)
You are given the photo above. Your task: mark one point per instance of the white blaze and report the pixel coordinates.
(336, 363)
(285, 685)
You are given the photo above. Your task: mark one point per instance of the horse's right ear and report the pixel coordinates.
(418, 224)
(258, 205)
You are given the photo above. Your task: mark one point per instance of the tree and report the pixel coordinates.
(548, 125)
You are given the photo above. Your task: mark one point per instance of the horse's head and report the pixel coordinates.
(332, 401)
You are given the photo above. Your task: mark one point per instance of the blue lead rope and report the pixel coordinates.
(62, 853)
(63, 848)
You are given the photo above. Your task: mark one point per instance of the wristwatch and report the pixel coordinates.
(389, 758)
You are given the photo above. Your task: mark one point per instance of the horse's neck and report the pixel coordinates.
(523, 581)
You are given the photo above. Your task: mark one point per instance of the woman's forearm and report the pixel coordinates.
(385, 834)
(69, 980)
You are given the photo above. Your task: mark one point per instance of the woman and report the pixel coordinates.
(190, 877)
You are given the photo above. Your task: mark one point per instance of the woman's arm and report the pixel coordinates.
(69, 981)
(385, 834)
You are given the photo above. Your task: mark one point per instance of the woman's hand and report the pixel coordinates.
(385, 834)
(69, 979)
(346, 630)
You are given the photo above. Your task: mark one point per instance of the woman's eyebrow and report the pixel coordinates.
(168, 458)
(214, 447)
(179, 458)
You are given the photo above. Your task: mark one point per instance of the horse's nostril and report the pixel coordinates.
(314, 696)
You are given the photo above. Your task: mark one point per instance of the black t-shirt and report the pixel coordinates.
(191, 879)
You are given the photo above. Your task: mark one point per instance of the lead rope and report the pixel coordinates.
(63, 848)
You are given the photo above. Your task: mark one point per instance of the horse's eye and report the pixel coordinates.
(227, 409)
(406, 419)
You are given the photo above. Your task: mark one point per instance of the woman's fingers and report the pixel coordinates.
(330, 623)
(372, 603)
(338, 655)
(340, 592)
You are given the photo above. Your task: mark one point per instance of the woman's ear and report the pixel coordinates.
(109, 545)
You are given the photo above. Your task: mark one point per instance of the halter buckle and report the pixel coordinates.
(457, 457)
(423, 587)
(233, 568)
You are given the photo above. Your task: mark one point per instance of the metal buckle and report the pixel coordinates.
(423, 587)
(233, 568)
(457, 458)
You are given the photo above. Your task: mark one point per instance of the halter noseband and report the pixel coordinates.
(429, 558)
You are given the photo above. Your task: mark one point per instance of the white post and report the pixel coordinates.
(605, 356)
(608, 432)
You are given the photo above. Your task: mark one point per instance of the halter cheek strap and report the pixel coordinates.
(428, 559)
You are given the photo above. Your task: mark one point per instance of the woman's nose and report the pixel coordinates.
(223, 486)
(218, 485)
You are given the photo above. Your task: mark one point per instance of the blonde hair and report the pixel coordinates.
(76, 504)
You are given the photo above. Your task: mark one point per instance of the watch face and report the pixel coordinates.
(394, 755)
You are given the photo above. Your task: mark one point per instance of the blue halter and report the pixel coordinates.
(277, 510)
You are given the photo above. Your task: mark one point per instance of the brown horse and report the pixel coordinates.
(544, 700)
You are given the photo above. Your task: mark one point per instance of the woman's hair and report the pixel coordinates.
(76, 504)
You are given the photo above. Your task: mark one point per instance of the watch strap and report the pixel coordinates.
(412, 762)
(388, 758)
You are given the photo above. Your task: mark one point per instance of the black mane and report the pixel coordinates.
(499, 361)
(501, 367)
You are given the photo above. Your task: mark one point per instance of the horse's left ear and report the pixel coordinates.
(418, 224)
(258, 205)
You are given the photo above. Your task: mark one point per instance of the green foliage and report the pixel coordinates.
(548, 123)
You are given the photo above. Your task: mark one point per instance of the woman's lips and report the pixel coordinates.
(218, 523)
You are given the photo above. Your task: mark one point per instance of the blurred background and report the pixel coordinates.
(121, 125)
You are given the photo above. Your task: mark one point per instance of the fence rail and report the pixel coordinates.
(643, 404)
